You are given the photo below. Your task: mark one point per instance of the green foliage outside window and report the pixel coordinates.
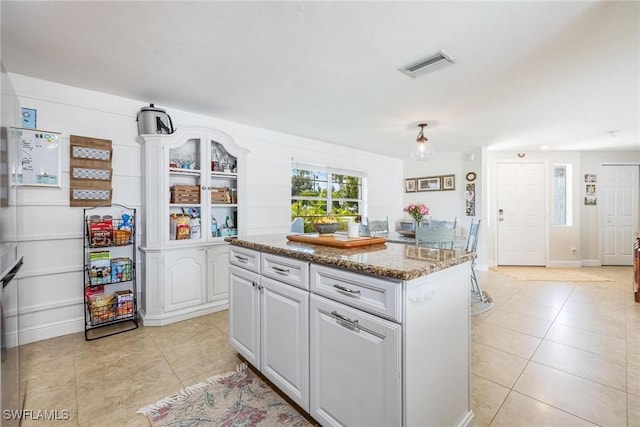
(311, 198)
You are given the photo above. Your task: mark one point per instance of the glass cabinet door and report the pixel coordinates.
(223, 192)
(185, 188)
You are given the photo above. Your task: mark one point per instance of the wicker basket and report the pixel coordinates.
(185, 194)
(102, 308)
(220, 195)
(121, 237)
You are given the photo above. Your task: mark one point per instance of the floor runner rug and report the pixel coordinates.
(545, 274)
(238, 398)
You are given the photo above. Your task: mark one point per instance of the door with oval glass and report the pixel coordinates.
(521, 211)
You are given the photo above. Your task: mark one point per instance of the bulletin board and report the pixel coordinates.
(38, 157)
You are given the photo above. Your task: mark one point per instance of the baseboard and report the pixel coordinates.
(51, 330)
(467, 420)
(591, 263)
(482, 267)
(180, 315)
(564, 264)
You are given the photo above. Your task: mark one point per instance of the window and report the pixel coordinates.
(562, 213)
(317, 192)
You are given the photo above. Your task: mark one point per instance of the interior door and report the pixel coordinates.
(521, 211)
(619, 218)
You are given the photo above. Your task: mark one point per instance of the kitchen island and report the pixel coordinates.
(378, 335)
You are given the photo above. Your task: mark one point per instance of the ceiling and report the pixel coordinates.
(527, 74)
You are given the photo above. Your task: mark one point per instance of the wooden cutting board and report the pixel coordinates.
(336, 240)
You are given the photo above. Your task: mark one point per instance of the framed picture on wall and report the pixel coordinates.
(430, 183)
(448, 182)
(410, 185)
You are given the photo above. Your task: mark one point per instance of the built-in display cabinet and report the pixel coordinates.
(194, 196)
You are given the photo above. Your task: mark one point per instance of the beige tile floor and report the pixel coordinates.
(553, 354)
(557, 354)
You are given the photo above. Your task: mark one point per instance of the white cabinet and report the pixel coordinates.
(218, 274)
(366, 350)
(190, 177)
(269, 323)
(355, 366)
(184, 274)
(284, 331)
(244, 314)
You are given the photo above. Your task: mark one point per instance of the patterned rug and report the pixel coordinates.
(238, 398)
(545, 274)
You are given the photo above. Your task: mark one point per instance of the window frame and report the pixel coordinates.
(329, 199)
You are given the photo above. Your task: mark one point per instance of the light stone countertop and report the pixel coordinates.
(390, 260)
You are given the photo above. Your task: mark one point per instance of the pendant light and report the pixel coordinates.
(422, 151)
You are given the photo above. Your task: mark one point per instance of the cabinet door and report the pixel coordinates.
(244, 314)
(187, 222)
(218, 273)
(355, 366)
(184, 279)
(285, 339)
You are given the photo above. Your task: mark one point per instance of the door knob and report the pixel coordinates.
(500, 219)
(500, 211)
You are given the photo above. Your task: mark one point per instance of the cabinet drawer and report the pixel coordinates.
(288, 270)
(245, 258)
(376, 296)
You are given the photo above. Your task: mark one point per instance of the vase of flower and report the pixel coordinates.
(417, 212)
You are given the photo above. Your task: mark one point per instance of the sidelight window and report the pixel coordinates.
(562, 212)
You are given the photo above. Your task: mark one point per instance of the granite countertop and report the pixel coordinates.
(391, 260)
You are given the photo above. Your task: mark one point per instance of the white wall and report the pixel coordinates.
(50, 232)
(583, 234)
(450, 204)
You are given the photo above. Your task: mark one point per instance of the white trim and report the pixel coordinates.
(48, 271)
(46, 237)
(51, 330)
(482, 267)
(50, 306)
(180, 315)
(467, 420)
(564, 264)
(591, 263)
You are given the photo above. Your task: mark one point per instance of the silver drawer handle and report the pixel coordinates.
(242, 259)
(347, 290)
(345, 319)
(280, 270)
(351, 324)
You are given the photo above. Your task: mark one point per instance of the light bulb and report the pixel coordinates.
(422, 152)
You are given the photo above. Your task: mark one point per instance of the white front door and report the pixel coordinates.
(521, 211)
(619, 213)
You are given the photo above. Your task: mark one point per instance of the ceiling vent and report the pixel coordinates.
(428, 64)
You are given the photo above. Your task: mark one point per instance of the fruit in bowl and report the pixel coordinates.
(326, 226)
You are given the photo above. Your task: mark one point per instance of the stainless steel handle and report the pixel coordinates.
(353, 323)
(347, 290)
(254, 284)
(280, 270)
(242, 259)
